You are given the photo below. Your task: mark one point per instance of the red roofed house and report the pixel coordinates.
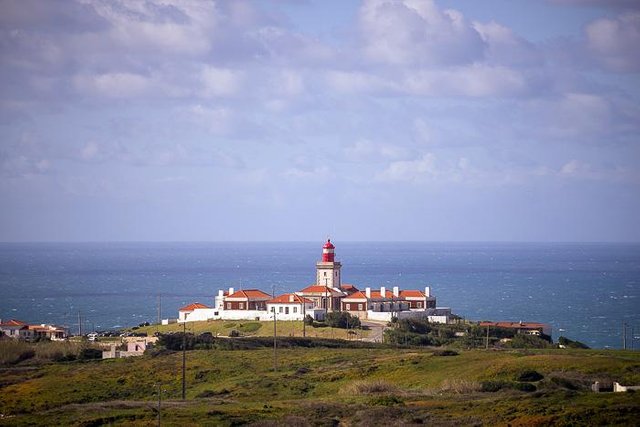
(249, 299)
(191, 312)
(50, 332)
(418, 300)
(13, 328)
(323, 296)
(362, 304)
(291, 307)
(18, 329)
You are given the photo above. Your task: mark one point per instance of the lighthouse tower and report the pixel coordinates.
(328, 270)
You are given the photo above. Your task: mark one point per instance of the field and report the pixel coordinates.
(326, 386)
(253, 328)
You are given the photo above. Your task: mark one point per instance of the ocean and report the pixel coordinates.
(585, 291)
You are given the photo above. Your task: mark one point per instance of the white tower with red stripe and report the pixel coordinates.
(328, 269)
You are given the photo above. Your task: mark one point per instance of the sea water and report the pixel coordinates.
(584, 291)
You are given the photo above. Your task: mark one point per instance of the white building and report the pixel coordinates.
(291, 307)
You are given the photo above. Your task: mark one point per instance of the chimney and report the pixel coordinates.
(220, 293)
(292, 298)
(367, 292)
(231, 291)
(396, 291)
(427, 291)
(383, 292)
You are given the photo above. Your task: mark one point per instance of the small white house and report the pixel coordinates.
(291, 307)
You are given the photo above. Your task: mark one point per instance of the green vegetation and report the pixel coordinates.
(419, 332)
(255, 328)
(322, 382)
(13, 352)
(567, 343)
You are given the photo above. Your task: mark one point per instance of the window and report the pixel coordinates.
(280, 310)
(295, 309)
(286, 310)
(348, 306)
(228, 306)
(273, 309)
(359, 307)
(419, 304)
(241, 306)
(325, 274)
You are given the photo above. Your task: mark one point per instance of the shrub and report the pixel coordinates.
(342, 319)
(249, 327)
(529, 376)
(445, 353)
(386, 400)
(366, 387)
(565, 383)
(528, 341)
(571, 344)
(493, 386)
(528, 387)
(234, 333)
(460, 386)
(90, 353)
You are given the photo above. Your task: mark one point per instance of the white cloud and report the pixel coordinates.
(218, 120)
(505, 47)
(220, 81)
(405, 32)
(615, 42)
(368, 151)
(418, 170)
(114, 85)
(477, 80)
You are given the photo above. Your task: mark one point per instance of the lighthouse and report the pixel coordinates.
(327, 269)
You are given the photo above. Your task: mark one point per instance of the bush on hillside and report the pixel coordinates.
(342, 319)
(529, 375)
(571, 343)
(528, 341)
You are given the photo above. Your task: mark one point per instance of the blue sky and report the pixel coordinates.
(293, 120)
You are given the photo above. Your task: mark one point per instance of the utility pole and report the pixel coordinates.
(159, 401)
(487, 341)
(159, 312)
(275, 345)
(79, 324)
(624, 335)
(326, 297)
(184, 359)
(304, 317)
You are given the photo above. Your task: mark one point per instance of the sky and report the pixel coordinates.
(373, 120)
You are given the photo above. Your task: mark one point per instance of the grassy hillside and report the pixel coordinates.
(254, 328)
(322, 386)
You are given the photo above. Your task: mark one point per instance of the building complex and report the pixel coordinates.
(327, 294)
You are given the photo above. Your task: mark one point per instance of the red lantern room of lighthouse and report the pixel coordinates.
(328, 269)
(328, 251)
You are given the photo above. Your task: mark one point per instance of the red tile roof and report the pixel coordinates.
(377, 294)
(286, 299)
(374, 295)
(412, 293)
(349, 288)
(250, 294)
(316, 288)
(13, 322)
(357, 295)
(193, 306)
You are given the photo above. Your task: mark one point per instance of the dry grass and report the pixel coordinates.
(14, 351)
(459, 386)
(368, 387)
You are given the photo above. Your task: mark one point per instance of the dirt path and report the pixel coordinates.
(376, 328)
